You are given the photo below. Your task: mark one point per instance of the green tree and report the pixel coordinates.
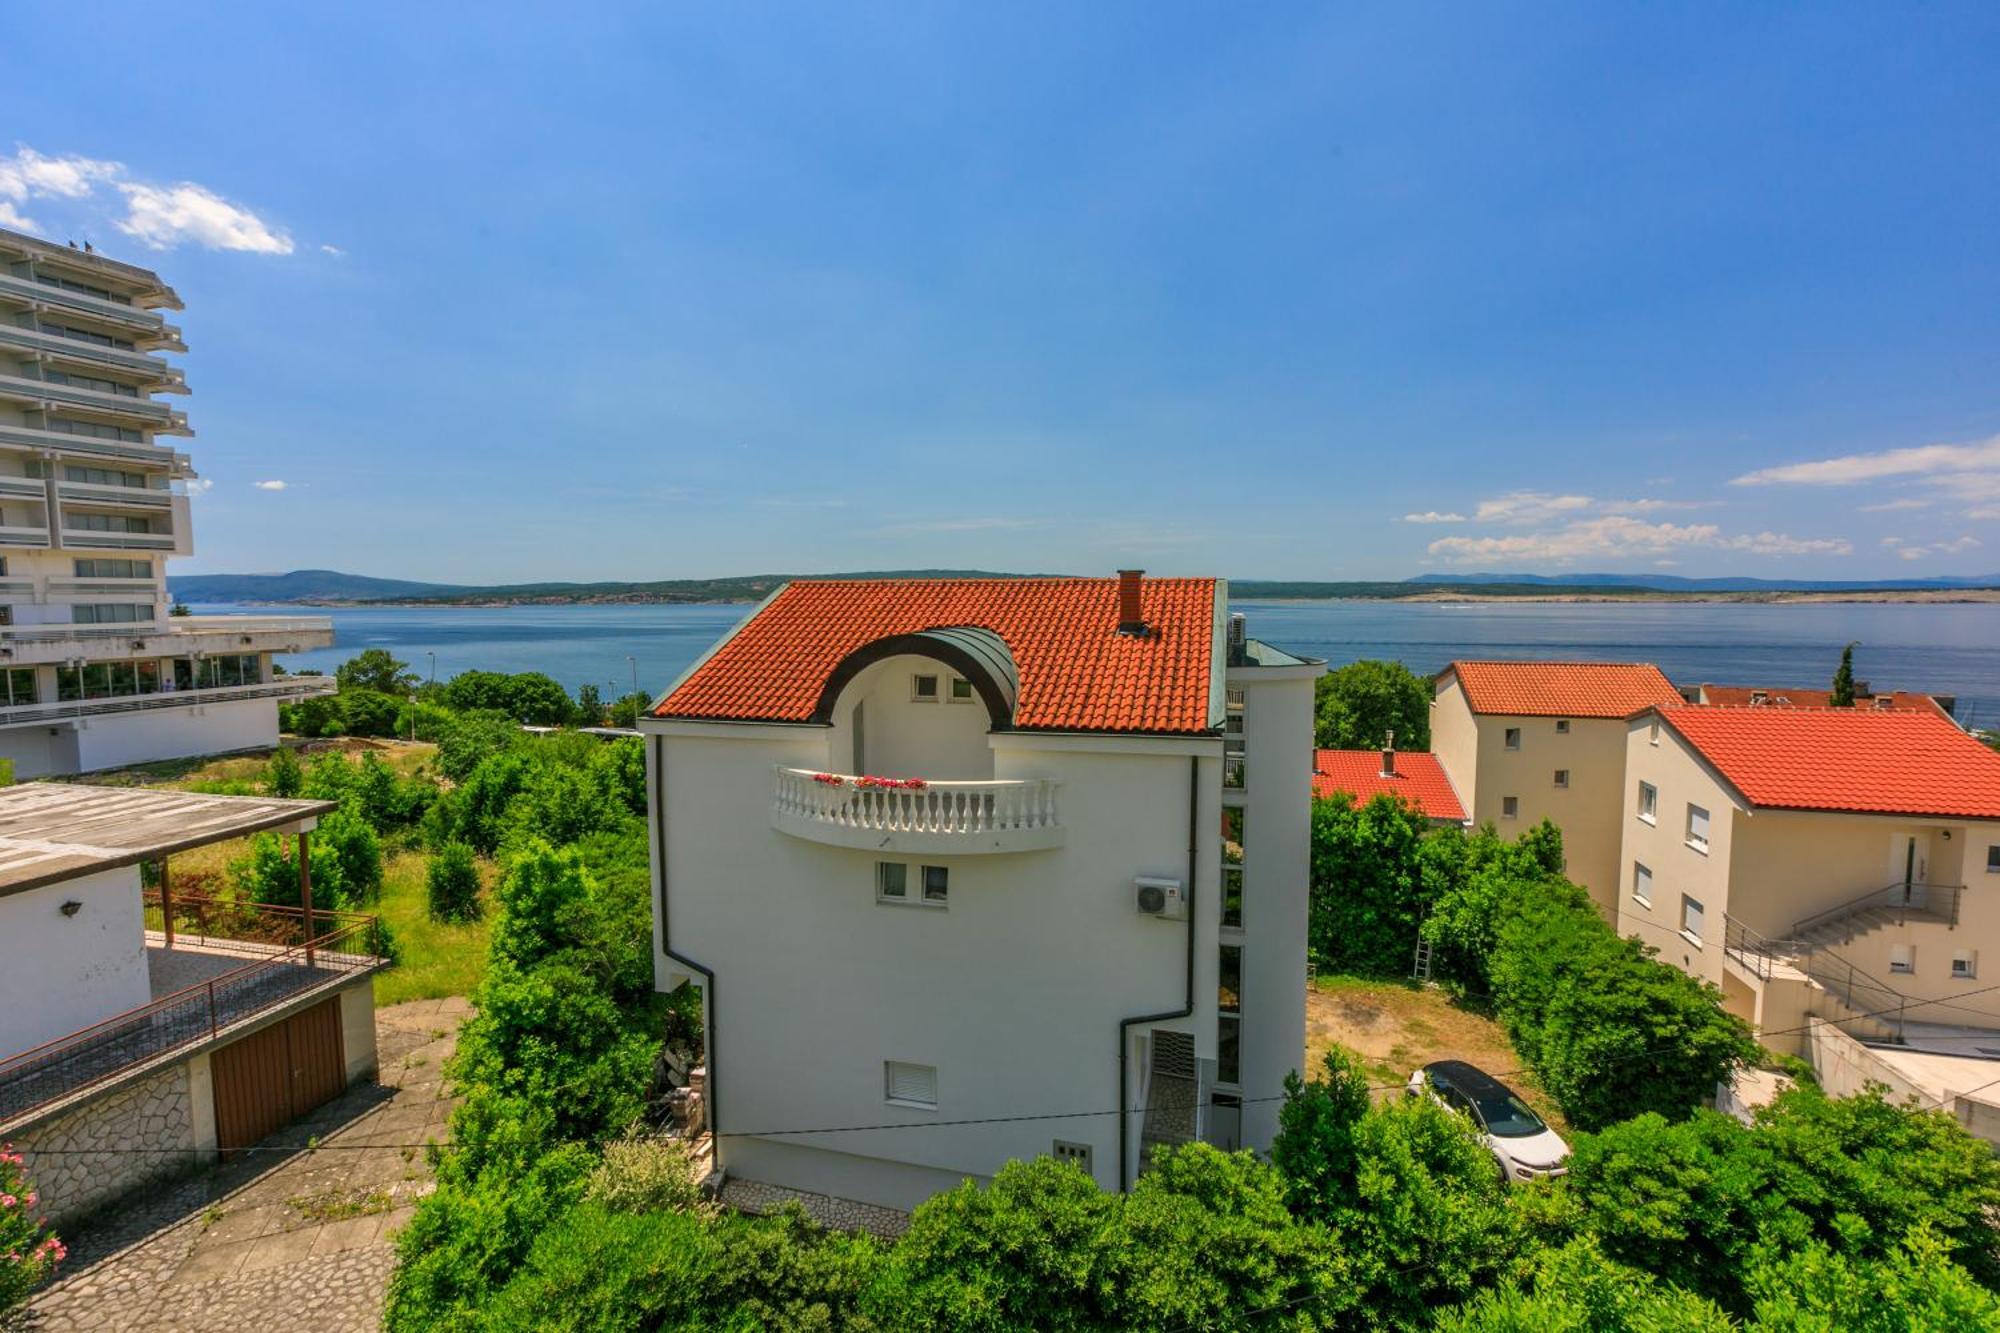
(1367, 892)
(375, 669)
(1358, 705)
(627, 708)
(1576, 1289)
(471, 738)
(1314, 1150)
(344, 840)
(284, 775)
(589, 706)
(312, 717)
(368, 712)
(1916, 1288)
(451, 884)
(1843, 679)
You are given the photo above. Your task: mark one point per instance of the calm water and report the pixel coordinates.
(1946, 649)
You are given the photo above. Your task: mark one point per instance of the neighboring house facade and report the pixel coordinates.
(1840, 863)
(94, 673)
(1526, 741)
(1758, 696)
(1417, 778)
(149, 1032)
(971, 870)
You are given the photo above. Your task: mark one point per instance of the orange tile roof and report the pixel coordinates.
(1077, 673)
(1563, 689)
(1846, 759)
(1419, 779)
(1739, 696)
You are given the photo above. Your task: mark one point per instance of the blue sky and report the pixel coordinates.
(1313, 292)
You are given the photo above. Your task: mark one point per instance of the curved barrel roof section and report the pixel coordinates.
(1045, 654)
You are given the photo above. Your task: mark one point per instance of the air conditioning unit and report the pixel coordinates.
(1163, 898)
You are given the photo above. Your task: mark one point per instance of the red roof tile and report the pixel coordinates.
(1743, 696)
(1846, 759)
(1563, 689)
(1077, 673)
(1419, 779)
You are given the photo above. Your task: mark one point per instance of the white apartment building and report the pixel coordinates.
(1526, 741)
(971, 870)
(94, 673)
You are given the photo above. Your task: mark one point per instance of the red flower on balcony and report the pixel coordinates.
(891, 784)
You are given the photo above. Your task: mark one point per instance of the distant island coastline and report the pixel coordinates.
(319, 587)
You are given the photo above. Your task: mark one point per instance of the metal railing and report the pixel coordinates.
(284, 687)
(1867, 999)
(197, 1014)
(1938, 900)
(251, 624)
(925, 807)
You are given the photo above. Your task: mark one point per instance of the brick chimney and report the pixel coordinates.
(1389, 754)
(1131, 620)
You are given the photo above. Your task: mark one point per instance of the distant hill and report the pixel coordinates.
(329, 587)
(1674, 583)
(301, 585)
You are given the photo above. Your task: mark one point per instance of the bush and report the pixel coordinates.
(472, 738)
(29, 1251)
(1357, 705)
(646, 1175)
(344, 839)
(1314, 1149)
(314, 716)
(367, 713)
(284, 775)
(451, 884)
(529, 697)
(1367, 889)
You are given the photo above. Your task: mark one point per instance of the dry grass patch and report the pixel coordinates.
(1396, 1027)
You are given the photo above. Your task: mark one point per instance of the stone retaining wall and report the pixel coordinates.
(90, 1155)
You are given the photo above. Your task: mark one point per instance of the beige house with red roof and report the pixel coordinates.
(1842, 863)
(970, 870)
(1414, 777)
(1526, 741)
(1755, 696)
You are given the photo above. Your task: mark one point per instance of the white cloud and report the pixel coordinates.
(1433, 516)
(1956, 546)
(11, 216)
(162, 217)
(270, 485)
(333, 250)
(1621, 537)
(199, 486)
(1528, 507)
(1895, 506)
(1926, 460)
(956, 525)
(1892, 541)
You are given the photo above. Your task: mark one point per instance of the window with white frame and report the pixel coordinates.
(1562, 777)
(1697, 828)
(924, 688)
(1964, 964)
(961, 690)
(905, 1084)
(937, 882)
(892, 882)
(1649, 802)
(1691, 914)
(1510, 807)
(1903, 958)
(895, 883)
(1642, 883)
(1513, 738)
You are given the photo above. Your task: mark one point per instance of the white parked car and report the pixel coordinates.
(1525, 1147)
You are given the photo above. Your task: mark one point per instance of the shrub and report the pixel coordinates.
(314, 716)
(451, 884)
(284, 775)
(269, 873)
(472, 738)
(345, 839)
(646, 1175)
(1367, 894)
(1357, 705)
(368, 713)
(29, 1251)
(1315, 1145)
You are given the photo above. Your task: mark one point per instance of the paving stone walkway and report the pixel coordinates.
(295, 1232)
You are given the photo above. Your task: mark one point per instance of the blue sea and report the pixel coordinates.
(1940, 648)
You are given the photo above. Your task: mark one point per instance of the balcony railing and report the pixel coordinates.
(113, 312)
(65, 443)
(284, 687)
(916, 815)
(272, 975)
(1926, 901)
(252, 624)
(88, 539)
(77, 349)
(158, 415)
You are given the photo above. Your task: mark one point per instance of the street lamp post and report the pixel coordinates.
(633, 662)
(434, 666)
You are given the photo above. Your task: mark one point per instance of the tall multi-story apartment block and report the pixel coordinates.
(971, 870)
(94, 671)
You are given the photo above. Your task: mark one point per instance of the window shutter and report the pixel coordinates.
(912, 1083)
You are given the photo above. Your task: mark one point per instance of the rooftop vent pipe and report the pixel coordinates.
(1389, 754)
(1131, 620)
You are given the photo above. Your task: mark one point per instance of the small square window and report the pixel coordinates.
(1562, 777)
(1513, 738)
(910, 1085)
(935, 883)
(1562, 726)
(1965, 964)
(1642, 884)
(1993, 860)
(1072, 1154)
(1649, 802)
(924, 689)
(1902, 958)
(1510, 807)
(961, 690)
(1691, 916)
(892, 881)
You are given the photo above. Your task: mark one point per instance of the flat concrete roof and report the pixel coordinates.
(52, 831)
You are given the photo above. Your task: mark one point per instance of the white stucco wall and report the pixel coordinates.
(1013, 992)
(63, 973)
(176, 733)
(903, 737)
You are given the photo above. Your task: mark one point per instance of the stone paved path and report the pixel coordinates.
(283, 1237)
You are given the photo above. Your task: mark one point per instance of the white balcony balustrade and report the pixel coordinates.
(914, 815)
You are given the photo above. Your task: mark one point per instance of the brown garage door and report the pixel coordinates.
(277, 1074)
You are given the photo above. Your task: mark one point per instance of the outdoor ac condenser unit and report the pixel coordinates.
(1163, 898)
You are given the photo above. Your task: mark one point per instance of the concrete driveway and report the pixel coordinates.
(295, 1231)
